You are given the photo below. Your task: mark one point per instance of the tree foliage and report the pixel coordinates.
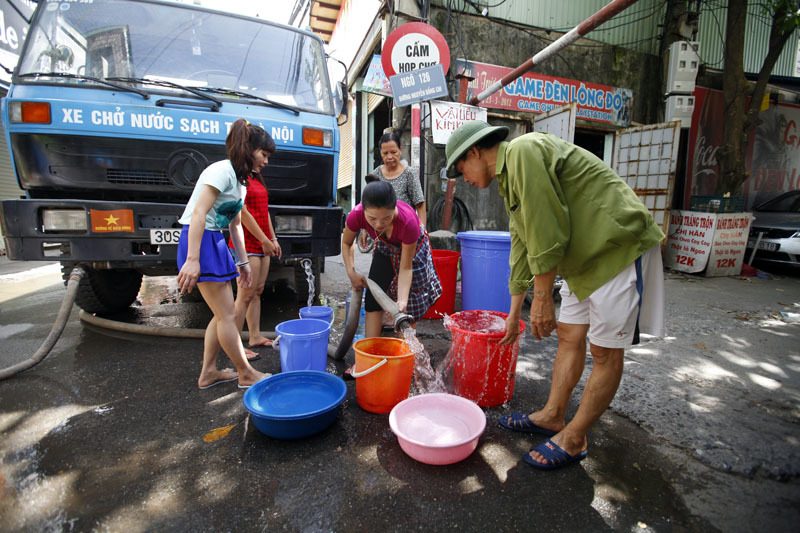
(742, 98)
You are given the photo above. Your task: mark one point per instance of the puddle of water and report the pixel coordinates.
(10, 330)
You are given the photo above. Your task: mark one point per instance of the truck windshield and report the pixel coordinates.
(175, 43)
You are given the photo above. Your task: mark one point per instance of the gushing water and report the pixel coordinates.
(426, 379)
(310, 278)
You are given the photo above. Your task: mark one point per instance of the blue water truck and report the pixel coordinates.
(117, 106)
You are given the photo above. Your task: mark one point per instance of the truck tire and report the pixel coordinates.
(301, 281)
(105, 291)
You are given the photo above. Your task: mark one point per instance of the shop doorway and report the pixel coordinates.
(380, 119)
(592, 140)
(561, 123)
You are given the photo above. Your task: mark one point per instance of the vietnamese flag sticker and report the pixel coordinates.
(116, 220)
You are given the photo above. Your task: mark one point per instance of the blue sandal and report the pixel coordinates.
(520, 422)
(555, 455)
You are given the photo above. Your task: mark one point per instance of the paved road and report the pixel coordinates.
(108, 432)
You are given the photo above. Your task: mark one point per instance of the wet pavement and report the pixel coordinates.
(111, 433)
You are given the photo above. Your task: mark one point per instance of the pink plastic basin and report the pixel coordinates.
(437, 429)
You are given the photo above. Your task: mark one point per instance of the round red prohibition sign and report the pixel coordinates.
(412, 46)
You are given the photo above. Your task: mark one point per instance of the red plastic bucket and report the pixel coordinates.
(446, 264)
(483, 371)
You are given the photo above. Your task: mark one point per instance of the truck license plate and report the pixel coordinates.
(165, 236)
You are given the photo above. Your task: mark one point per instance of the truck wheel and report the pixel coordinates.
(105, 291)
(301, 281)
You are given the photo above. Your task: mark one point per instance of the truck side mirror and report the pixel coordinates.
(341, 100)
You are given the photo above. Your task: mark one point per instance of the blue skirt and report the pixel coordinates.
(216, 262)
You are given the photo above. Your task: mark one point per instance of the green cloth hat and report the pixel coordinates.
(466, 136)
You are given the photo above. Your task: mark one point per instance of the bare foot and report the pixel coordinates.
(259, 341)
(215, 377)
(248, 379)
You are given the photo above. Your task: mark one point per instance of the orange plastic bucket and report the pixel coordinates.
(383, 372)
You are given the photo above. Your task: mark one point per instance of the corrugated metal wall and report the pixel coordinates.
(638, 28)
(373, 100)
(345, 176)
(711, 35)
(9, 189)
(635, 28)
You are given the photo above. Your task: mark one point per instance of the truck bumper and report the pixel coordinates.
(26, 239)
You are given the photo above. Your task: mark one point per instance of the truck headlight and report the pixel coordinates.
(317, 137)
(64, 220)
(29, 112)
(293, 224)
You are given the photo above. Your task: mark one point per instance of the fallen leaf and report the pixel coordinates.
(701, 346)
(216, 434)
(637, 467)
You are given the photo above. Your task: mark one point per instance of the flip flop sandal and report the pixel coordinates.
(219, 381)
(555, 455)
(520, 422)
(265, 342)
(251, 355)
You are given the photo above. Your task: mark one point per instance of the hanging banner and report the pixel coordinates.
(537, 93)
(729, 244)
(689, 240)
(710, 242)
(446, 117)
(376, 81)
(773, 155)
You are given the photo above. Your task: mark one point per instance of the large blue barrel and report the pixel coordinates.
(485, 270)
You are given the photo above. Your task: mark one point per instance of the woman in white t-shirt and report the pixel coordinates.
(203, 256)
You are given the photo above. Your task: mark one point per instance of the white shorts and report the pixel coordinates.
(612, 310)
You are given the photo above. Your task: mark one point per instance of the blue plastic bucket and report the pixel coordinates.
(303, 343)
(317, 311)
(485, 270)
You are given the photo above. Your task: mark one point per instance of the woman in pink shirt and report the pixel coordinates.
(402, 264)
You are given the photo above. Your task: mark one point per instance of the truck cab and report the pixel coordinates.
(117, 106)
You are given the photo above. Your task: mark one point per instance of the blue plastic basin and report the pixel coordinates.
(297, 404)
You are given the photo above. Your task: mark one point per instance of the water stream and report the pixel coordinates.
(310, 278)
(426, 379)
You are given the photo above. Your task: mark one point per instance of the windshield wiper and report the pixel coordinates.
(242, 94)
(141, 93)
(163, 83)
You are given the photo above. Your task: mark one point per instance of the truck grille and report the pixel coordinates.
(122, 176)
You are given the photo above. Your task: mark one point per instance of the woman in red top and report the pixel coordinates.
(261, 244)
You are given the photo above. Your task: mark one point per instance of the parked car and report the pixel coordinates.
(777, 221)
